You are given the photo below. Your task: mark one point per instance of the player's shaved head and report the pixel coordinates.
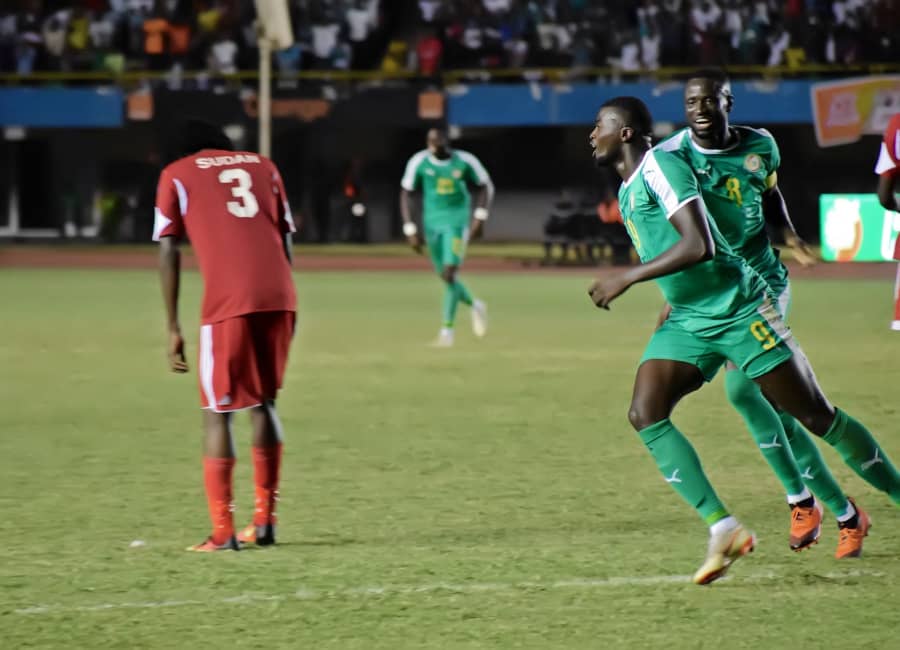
(715, 75)
(631, 112)
(438, 143)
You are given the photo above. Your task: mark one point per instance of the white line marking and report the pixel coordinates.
(304, 593)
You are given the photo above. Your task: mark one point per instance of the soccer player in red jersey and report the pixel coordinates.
(888, 170)
(232, 207)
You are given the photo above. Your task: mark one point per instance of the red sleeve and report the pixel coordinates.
(889, 155)
(171, 200)
(285, 218)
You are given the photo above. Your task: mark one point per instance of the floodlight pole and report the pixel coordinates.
(264, 107)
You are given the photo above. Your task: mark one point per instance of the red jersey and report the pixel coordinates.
(889, 156)
(233, 208)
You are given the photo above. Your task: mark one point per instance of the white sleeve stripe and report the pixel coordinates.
(885, 162)
(182, 196)
(160, 223)
(408, 182)
(288, 217)
(659, 184)
(681, 205)
(477, 167)
(897, 144)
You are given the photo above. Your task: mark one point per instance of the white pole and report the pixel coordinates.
(265, 94)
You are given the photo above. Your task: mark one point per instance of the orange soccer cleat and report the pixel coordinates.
(210, 546)
(850, 542)
(260, 535)
(806, 526)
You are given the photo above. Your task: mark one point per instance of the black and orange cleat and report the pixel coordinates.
(806, 526)
(850, 540)
(210, 546)
(260, 535)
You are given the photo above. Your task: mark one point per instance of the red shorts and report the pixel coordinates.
(242, 359)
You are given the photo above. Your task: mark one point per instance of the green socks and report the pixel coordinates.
(767, 430)
(863, 455)
(680, 466)
(815, 473)
(453, 295)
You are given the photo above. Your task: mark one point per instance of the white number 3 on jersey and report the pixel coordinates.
(241, 183)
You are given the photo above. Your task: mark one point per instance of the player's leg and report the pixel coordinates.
(457, 255)
(267, 445)
(895, 324)
(218, 468)
(767, 429)
(674, 365)
(435, 242)
(794, 388)
(816, 474)
(272, 333)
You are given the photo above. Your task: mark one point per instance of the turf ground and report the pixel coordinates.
(489, 496)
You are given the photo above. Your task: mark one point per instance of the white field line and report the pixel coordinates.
(452, 588)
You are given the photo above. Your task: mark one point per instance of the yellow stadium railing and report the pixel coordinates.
(449, 77)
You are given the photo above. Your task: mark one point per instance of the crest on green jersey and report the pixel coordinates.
(752, 162)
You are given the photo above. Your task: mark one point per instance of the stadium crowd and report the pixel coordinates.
(218, 35)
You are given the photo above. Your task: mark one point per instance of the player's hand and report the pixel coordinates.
(606, 289)
(415, 242)
(801, 251)
(476, 229)
(177, 362)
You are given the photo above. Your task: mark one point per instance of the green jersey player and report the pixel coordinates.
(443, 175)
(721, 311)
(736, 170)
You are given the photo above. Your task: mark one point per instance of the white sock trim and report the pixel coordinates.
(723, 525)
(797, 498)
(895, 325)
(849, 513)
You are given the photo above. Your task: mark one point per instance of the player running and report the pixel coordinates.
(888, 170)
(721, 310)
(443, 175)
(233, 208)
(736, 170)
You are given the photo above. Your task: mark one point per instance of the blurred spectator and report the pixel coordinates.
(428, 54)
(38, 35)
(223, 54)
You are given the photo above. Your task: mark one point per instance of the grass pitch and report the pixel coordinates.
(489, 496)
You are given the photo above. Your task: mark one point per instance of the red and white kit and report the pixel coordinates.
(889, 164)
(233, 208)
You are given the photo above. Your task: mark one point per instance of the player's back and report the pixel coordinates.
(232, 207)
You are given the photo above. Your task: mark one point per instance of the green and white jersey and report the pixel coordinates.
(732, 181)
(446, 200)
(706, 294)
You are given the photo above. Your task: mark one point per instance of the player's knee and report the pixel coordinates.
(448, 275)
(818, 421)
(641, 414)
(741, 391)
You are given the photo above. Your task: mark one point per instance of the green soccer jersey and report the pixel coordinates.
(446, 201)
(732, 181)
(706, 294)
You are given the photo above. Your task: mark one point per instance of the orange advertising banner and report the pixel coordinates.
(845, 110)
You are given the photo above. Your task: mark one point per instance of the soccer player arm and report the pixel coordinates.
(170, 281)
(411, 181)
(886, 193)
(695, 245)
(286, 220)
(167, 230)
(776, 214)
(477, 175)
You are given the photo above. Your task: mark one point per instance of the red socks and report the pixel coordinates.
(266, 469)
(217, 478)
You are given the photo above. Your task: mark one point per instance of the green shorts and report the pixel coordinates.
(447, 245)
(756, 343)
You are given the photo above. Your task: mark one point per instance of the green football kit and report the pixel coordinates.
(446, 210)
(721, 308)
(732, 182)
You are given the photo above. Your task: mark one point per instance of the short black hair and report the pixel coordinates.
(195, 134)
(638, 115)
(717, 75)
